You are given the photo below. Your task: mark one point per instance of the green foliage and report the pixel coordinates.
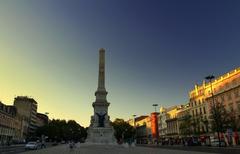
(191, 126)
(123, 130)
(219, 117)
(232, 120)
(185, 126)
(62, 130)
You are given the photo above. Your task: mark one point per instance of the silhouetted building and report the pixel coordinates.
(27, 110)
(10, 125)
(143, 129)
(146, 128)
(42, 119)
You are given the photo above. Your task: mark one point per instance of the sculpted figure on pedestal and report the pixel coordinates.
(101, 118)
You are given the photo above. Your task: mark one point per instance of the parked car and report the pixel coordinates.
(215, 143)
(193, 141)
(54, 143)
(31, 146)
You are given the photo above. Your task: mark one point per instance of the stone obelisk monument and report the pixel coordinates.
(100, 130)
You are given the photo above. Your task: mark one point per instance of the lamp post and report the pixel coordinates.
(210, 78)
(155, 107)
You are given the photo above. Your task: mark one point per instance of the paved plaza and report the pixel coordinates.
(107, 149)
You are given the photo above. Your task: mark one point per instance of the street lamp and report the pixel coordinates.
(155, 107)
(210, 78)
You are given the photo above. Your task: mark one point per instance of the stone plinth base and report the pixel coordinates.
(101, 135)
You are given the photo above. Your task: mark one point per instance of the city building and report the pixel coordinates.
(182, 115)
(42, 119)
(225, 90)
(27, 111)
(10, 125)
(154, 126)
(162, 125)
(146, 128)
(143, 129)
(172, 121)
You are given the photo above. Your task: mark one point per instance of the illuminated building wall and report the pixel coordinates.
(154, 125)
(225, 89)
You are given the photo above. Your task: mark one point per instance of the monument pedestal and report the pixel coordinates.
(101, 135)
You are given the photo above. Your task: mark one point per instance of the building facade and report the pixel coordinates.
(225, 90)
(27, 111)
(10, 125)
(42, 119)
(154, 126)
(162, 125)
(172, 121)
(143, 129)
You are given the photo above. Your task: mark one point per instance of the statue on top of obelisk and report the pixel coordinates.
(100, 130)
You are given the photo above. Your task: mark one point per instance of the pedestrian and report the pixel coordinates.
(43, 145)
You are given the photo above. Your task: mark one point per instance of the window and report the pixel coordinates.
(229, 96)
(227, 85)
(220, 88)
(236, 94)
(200, 110)
(230, 106)
(222, 98)
(193, 113)
(203, 100)
(203, 129)
(238, 106)
(196, 112)
(234, 82)
(204, 110)
(195, 103)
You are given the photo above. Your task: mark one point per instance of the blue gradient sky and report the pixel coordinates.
(155, 52)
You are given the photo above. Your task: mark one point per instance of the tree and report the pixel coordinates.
(190, 125)
(232, 120)
(186, 124)
(205, 122)
(62, 130)
(123, 130)
(218, 116)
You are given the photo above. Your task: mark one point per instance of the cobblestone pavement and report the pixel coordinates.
(107, 149)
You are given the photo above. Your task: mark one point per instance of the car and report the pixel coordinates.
(192, 141)
(215, 143)
(54, 143)
(31, 146)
